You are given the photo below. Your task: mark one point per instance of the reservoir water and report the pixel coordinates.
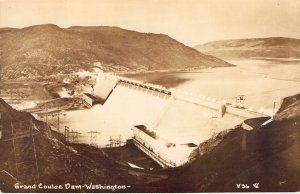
(263, 82)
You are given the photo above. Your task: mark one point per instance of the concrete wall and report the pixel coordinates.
(177, 117)
(243, 112)
(157, 149)
(104, 86)
(156, 146)
(130, 105)
(88, 100)
(215, 104)
(185, 122)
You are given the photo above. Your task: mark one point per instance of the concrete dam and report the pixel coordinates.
(164, 123)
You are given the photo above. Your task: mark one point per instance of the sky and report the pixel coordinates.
(191, 22)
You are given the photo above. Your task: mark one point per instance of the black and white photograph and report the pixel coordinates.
(149, 96)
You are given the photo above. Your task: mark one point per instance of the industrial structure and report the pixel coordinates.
(89, 99)
(158, 148)
(165, 122)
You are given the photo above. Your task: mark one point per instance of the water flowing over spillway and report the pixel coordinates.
(171, 119)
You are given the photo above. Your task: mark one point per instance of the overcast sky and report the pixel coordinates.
(191, 22)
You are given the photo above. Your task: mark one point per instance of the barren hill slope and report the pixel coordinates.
(274, 47)
(57, 164)
(47, 49)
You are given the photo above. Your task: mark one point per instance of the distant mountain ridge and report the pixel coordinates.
(273, 47)
(48, 49)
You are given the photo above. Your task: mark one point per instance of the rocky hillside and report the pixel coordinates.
(276, 47)
(289, 109)
(47, 49)
(268, 155)
(57, 163)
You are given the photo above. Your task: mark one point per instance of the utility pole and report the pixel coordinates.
(14, 148)
(34, 150)
(67, 134)
(58, 118)
(46, 116)
(110, 141)
(47, 122)
(274, 109)
(66, 142)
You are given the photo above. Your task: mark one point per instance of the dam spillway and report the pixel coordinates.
(177, 118)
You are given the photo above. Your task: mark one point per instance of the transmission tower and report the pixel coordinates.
(58, 114)
(93, 137)
(74, 136)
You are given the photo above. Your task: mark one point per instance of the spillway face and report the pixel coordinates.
(176, 118)
(185, 122)
(104, 86)
(130, 105)
(187, 119)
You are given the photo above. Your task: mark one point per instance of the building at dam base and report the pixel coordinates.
(164, 123)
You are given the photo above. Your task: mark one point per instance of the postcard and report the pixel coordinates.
(152, 96)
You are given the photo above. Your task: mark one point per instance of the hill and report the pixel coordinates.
(48, 50)
(275, 47)
(268, 155)
(59, 163)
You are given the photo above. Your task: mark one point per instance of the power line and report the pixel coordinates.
(74, 135)
(93, 137)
